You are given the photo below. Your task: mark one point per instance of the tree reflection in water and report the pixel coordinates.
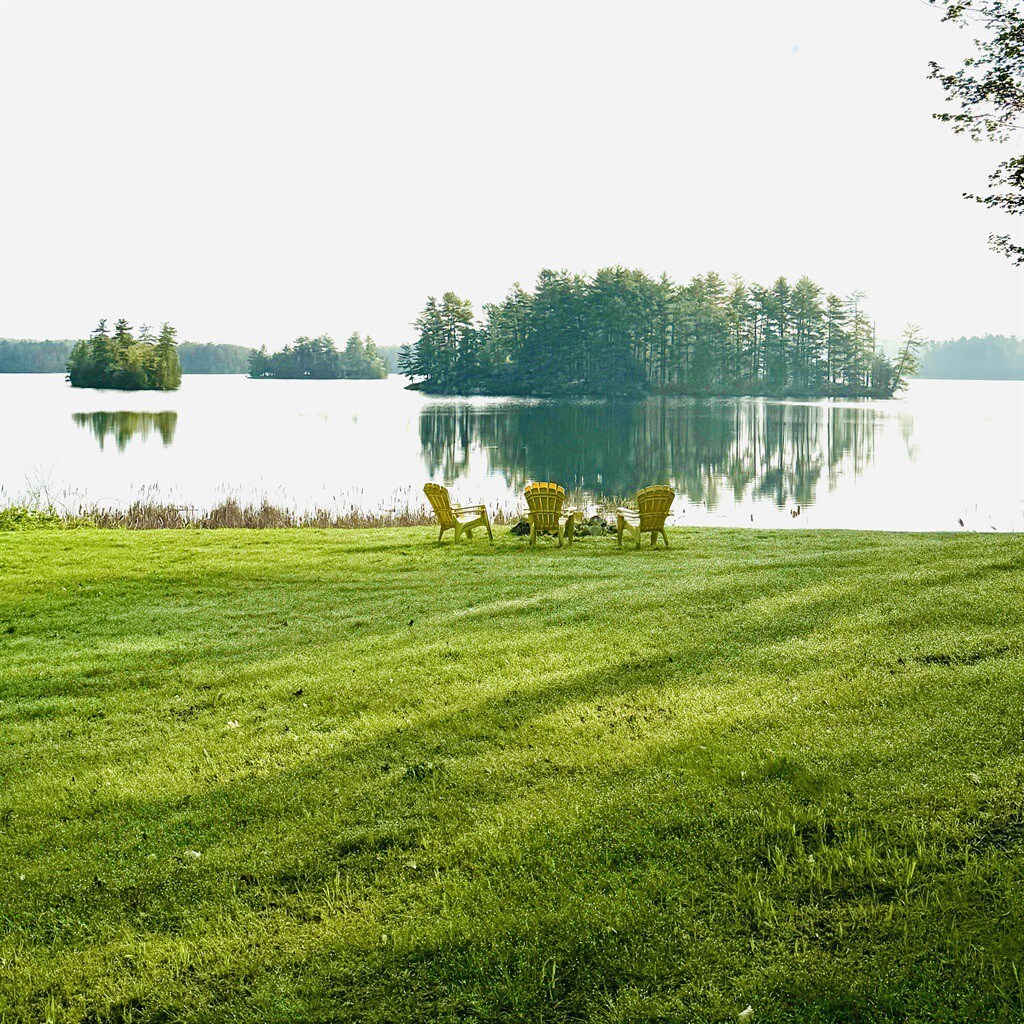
(123, 426)
(752, 448)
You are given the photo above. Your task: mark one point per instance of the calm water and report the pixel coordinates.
(947, 451)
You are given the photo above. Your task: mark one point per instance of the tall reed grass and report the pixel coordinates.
(230, 514)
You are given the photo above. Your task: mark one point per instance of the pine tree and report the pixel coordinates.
(406, 360)
(122, 338)
(859, 342)
(167, 364)
(740, 330)
(807, 316)
(836, 337)
(426, 361)
(907, 362)
(259, 363)
(374, 364)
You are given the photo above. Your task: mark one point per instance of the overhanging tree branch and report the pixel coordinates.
(990, 90)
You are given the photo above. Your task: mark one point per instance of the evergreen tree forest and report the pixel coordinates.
(320, 359)
(624, 333)
(121, 361)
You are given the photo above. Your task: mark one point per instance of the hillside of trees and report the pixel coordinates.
(320, 359)
(212, 358)
(21, 355)
(24, 355)
(124, 362)
(622, 333)
(992, 357)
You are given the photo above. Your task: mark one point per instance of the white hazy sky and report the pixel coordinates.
(254, 172)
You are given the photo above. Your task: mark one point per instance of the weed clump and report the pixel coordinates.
(22, 517)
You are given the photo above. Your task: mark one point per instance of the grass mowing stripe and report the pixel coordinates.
(490, 783)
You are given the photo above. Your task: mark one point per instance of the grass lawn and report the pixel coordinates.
(296, 776)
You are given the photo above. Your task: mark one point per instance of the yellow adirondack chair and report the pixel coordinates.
(548, 511)
(460, 518)
(653, 505)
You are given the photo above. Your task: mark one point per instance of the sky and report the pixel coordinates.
(254, 172)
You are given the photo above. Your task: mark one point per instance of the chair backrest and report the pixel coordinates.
(441, 503)
(654, 504)
(545, 504)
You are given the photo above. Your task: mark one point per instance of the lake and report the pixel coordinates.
(947, 452)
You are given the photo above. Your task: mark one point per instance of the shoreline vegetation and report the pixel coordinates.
(300, 776)
(988, 357)
(621, 333)
(598, 514)
(320, 359)
(122, 362)
(230, 514)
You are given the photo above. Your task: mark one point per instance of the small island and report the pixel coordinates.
(122, 362)
(320, 359)
(622, 333)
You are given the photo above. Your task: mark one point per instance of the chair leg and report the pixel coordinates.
(618, 530)
(559, 528)
(490, 536)
(533, 534)
(570, 529)
(440, 536)
(638, 537)
(664, 536)
(458, 531)
(654, 537)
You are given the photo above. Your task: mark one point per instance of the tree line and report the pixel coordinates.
(209, 357)
(24, 355)
(19, 355)
(120, 360)
(320, 359)
(993, 357)
(622, 332)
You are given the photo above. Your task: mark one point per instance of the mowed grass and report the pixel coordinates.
(295, 776)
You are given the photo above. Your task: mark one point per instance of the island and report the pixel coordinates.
(320, 359)
(122, 362)
(623, 333)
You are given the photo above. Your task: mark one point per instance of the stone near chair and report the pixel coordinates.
(548, 511)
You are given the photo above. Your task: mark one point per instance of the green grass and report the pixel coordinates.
(782, 770)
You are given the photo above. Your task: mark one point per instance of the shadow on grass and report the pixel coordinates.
(545, 891)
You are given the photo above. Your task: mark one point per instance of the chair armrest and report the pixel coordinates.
(627, 511)
(469, 508)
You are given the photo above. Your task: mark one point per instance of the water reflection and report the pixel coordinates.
(123, 426)
(749, 448)
(949, 452)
